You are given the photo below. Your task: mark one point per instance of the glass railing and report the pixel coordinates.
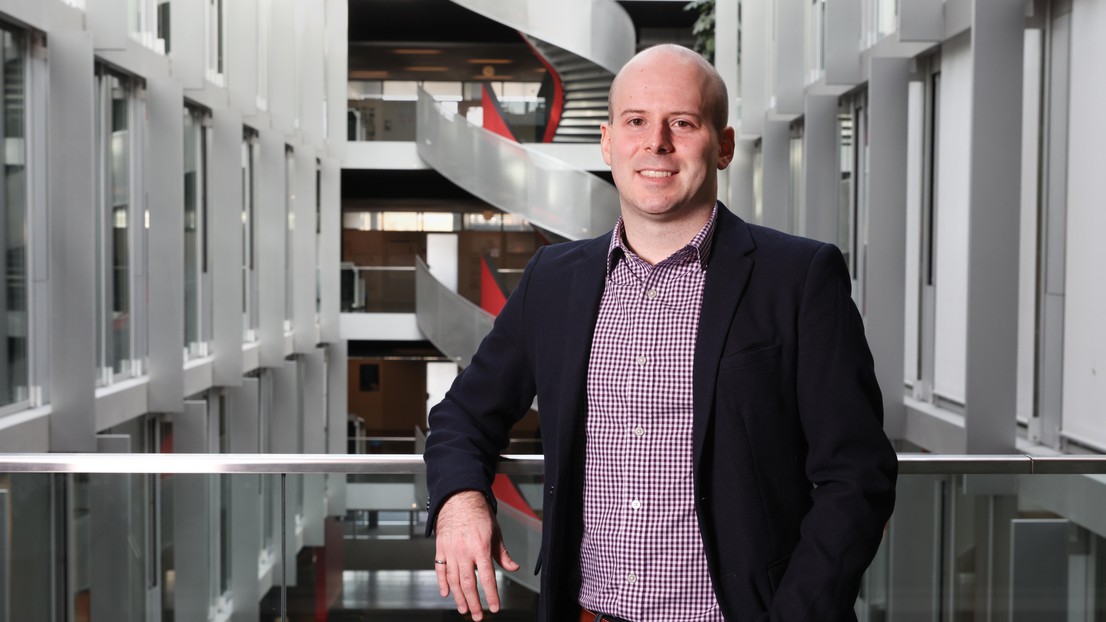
(210, 536)
(378, 289)
(451, 322)
(548, 192)
(598, 30)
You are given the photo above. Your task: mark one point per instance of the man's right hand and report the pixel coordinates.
(468, 539)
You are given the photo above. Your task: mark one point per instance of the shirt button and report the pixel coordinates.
(641, 361)
(652, 293)
(639, 431)
(631, 578)
(635, 504)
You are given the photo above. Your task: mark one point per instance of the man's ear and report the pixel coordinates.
(605, 142)
(726, 143)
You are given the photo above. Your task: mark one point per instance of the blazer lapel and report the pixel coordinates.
(728, 272)
(585, 290)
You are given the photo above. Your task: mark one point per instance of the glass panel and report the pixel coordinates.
(1023, 547)
(26, 535)
(1016, 547)
(163, 23)
(289, 239)
(193, 226)
(115, 224)
(378, 289)
(250, 312)
(13, 218)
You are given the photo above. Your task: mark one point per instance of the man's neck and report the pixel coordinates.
(656, 240)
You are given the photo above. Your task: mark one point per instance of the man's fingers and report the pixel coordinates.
(453, 578)
(486, 572)
(440, 569)
(504, 558)
(470, 593)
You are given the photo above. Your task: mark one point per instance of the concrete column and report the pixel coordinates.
(997, 38)
(330, 247)
(166, 245)
(283, 103)
(741, 200)
(191, 516)
(921, 20)
(310, 88)
(72, 252)
(843, 42)
(776, 175)
(243, 417)
(337, 74)
(226, 246)
(337, 393)
(271, 229)
(820, 167)
(108, 23)
(186, 42)
(790, 48)
(305, 260)
(242, 62)
(754, 95)
(888, 91)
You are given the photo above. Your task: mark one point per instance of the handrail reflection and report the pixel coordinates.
(511, 464)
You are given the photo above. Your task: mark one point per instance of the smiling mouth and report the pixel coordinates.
(657, 174)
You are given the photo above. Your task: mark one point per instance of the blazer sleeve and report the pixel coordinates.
(850, 463)
(471, 425)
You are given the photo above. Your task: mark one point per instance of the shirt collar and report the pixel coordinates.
(700, 243)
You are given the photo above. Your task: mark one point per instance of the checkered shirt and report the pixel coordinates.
(641, 556)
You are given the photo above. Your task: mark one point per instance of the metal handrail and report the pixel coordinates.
(514, 464)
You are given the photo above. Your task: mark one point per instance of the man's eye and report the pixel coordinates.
(636, 121)
(682, 124)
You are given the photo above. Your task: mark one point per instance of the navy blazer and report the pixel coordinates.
(794, 477)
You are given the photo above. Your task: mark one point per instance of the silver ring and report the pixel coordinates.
(440, 562)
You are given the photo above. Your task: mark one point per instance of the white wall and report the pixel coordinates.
(1085, 286)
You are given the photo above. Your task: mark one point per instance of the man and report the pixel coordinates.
(709, 412)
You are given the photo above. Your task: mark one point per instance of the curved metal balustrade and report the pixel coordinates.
(598, 30)
(453, 324)
(547, 192)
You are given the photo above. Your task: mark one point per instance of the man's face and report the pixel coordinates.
(661, 144)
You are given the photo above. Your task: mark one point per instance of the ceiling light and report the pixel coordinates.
(426, 68)
(416, 51)
(489, 61)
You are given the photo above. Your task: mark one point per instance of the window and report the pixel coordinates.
(13, 205)
(148, 23)
(197, 283)
(289, 237)
(115, 144)
(216, 38)
(250, 315)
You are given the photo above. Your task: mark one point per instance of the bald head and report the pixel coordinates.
(715, 97)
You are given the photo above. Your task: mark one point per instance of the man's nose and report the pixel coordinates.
(660, 139)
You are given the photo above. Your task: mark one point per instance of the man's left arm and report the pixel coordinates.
(850, 463)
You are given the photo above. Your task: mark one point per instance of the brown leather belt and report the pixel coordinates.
(588, 616)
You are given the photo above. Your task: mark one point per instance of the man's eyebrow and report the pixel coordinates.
(675, 113)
